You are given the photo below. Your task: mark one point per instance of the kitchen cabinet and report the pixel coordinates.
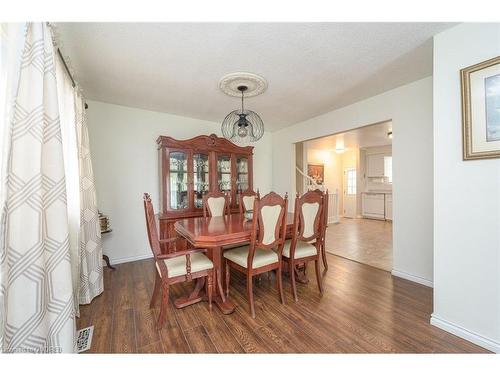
(388, 206)
(375, 165)
(373, 205)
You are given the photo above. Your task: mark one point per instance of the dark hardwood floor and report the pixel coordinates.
(363, 310)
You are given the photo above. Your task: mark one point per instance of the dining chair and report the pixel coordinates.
(306, 236)
(263, 254)
(324, 227)
(215, 204)
(175, 267)
(246, 200)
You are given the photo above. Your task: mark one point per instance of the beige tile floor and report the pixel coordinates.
(362, 240)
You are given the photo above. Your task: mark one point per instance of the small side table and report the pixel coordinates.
(105, 257)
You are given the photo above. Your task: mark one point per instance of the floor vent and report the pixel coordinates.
(84, 339)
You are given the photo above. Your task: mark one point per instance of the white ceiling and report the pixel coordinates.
(367, 136)
(311, 68)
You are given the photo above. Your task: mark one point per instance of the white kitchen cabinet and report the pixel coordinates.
(388, 206)
(375, 165)
(373, 205)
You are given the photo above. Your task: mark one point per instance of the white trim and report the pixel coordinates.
(456, 330)
(415, 279)
(133, 258)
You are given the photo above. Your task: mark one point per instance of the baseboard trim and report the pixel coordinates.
(133, 258)
(415, 279)
(456, 330)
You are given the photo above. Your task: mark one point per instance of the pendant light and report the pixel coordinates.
(242, 125)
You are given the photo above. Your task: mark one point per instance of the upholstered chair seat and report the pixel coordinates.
(261, 257)
(302, 250)
(177, 266)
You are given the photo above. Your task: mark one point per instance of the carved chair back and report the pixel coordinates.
(268, 224)
(154, 243)
(215, 204)
(325, 214)
(309, 217)
(246, 200)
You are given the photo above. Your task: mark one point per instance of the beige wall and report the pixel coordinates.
(335, 164)
(333, 168)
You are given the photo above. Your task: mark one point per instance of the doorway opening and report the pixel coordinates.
(356, 169)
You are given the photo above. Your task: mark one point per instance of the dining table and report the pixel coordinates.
(215, 234)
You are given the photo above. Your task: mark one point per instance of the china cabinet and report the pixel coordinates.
(190, 168)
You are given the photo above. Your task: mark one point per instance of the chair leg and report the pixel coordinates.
(210, 280)
(156, 290)
(228, 278)
(291, 266)
(250, 295)
(323, 254)
(318, 276)
(280, 285)
(164, 305)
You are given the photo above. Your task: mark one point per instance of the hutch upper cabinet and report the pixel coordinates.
(190, 168)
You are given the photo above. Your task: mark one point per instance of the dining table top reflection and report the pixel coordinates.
(218, 231)
(213, 233)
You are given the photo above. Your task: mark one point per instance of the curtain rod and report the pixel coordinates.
(69, 73)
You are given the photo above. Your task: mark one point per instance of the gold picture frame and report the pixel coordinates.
(480, 84)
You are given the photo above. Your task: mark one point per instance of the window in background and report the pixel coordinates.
(351, 181)
(388, 168)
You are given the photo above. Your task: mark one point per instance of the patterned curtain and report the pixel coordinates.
(91, 279)
(36, 295)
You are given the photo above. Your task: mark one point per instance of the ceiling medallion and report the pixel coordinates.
(255, 84)
(242, 125)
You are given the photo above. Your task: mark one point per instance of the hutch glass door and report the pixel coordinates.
(241, 176)
(224, 173)
(178, 180)
(201, 178)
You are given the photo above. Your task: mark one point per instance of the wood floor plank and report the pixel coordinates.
(221, 336)
(153, 348)
(362, 310)
(101, 339)
(174, 341)
(199, 341)
(145, 327)
(123, 333)
(270, 331)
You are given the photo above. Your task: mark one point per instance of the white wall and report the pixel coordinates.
(124, 155)
(410, 108)
(467, 199)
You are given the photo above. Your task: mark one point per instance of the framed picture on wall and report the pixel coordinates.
(316, 172)
(481, 110)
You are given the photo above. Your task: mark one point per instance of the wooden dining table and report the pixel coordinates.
(214, 233)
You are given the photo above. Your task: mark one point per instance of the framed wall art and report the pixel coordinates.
(481, 110)
(316, 172)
